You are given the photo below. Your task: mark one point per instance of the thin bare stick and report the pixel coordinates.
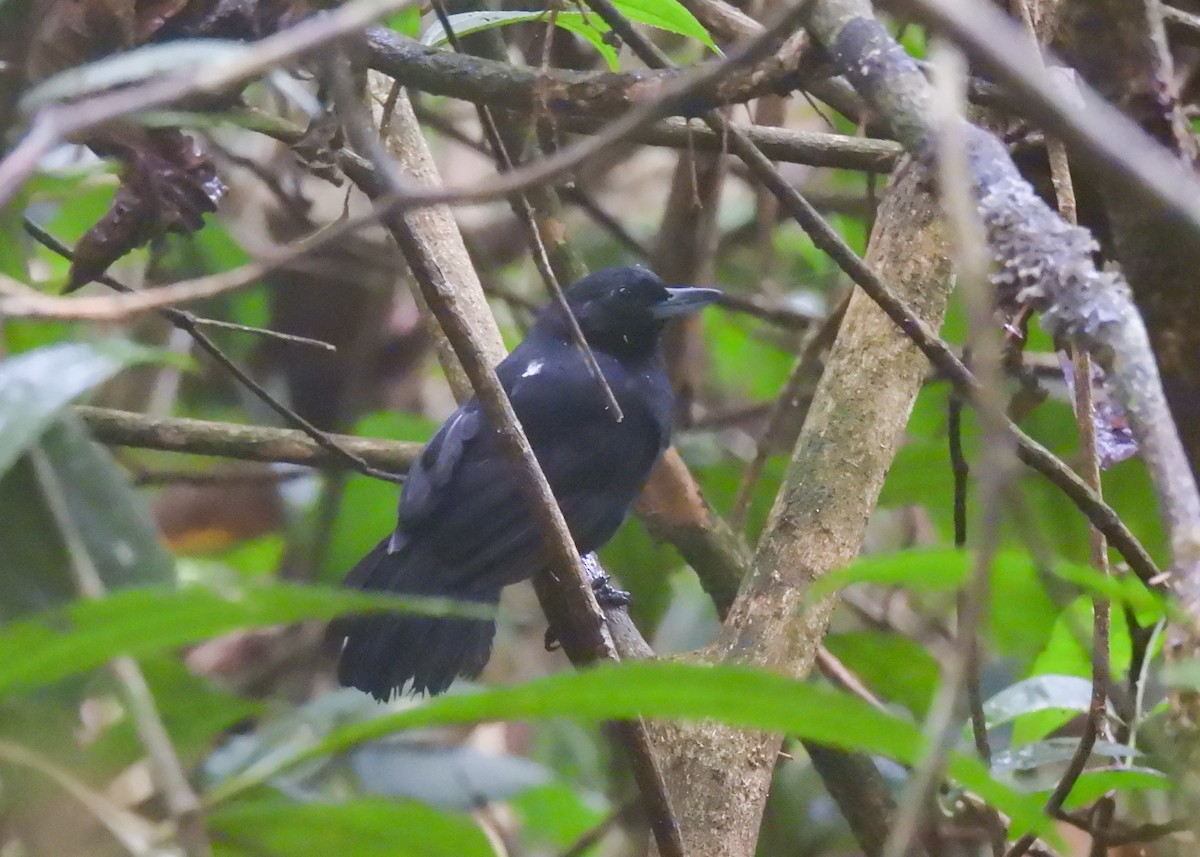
(188, 323)
(24, 302)
(20, 301)
(528, 220)
(784, 404)
(961, 472)
(267, 333)
(779, 144)
(136, 834)
(837, 672)
(1085, 420)
(51, 243)
(182, 802)
(567, 587)
(994, 472)
(1093, 127)
(55, 123)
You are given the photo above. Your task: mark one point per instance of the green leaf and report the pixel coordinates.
(594, 30)
(374, 827)
(664, 14)
(1040, 693)
(1150, 606)
(1093, 785)
(554, 816)
(466, 23)
(1052, 751)
(590, 27)
(109, 517)
(669, 15)
(928, 570)
(407, 21)
(893, 666)
(36, 385)
(913, 39)
(734, 695)
(1068, 652)
(1021, 612)
(919, 569)
(88, 633)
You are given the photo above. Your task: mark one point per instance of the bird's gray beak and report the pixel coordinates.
(683, 299)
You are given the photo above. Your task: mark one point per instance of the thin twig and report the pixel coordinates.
(783, 406)
(939, 353)
(1085, 420)
(188, 323)
(841, 675)
(959, 467)
(576, 195)
(812, 148)
(55, 123)
(541, 258)
(137, 835)
(182, 802)
(996, 465)
(583, 633)
(961, 472)
(222, 476)
(267, 333)
(18, 300)
(176, 317)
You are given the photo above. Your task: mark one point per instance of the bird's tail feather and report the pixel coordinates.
(381, 654)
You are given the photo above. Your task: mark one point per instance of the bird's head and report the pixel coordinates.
(623, 310)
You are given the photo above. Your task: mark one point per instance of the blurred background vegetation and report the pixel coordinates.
(217, 574)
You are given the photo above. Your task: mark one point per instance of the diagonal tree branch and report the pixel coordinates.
(1041, 261)
(460, 309)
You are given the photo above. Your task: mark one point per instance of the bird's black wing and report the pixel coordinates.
(432, 472)
(462, 507)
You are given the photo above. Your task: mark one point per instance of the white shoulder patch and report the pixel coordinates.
(534, 367)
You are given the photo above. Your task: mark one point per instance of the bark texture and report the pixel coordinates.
(718, 777)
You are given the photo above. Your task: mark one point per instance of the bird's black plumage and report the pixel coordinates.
(465, 529)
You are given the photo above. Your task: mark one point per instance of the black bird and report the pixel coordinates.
(465, 529)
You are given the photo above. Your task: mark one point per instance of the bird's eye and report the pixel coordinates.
(623, 291)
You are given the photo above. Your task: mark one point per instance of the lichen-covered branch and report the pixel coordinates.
(1040, 261)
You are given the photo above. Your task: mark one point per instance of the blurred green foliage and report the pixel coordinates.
(309, 771)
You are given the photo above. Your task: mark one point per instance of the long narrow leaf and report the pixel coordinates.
(35, 385)
(736, 696)
(85, 634)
